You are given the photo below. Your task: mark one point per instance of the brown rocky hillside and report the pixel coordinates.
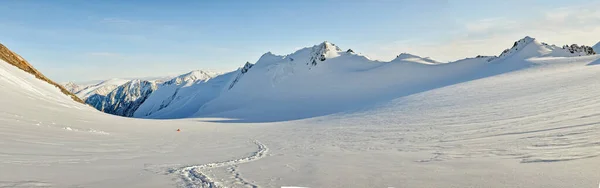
(16, 60)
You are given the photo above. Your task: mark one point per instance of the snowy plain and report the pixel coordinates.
(527, 120)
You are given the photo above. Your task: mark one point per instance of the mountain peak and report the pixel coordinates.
(193, 76)
(524, 41)
(268, 58)
(71, 87)
(197, 75)
(528, 39)
(327, 46)
(406, 56)
(596, 47)
(322, 52)
(69, 84)
(414, 58)
(519, 46)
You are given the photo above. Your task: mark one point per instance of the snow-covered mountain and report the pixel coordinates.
(86, 89)
(102, 88)
(178, 89)
(321, 77)
(312, 77)
(190, 78)
(125, 99)
(529, 47)
(72, 87)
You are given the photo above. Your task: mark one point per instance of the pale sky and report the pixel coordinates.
(71, 40)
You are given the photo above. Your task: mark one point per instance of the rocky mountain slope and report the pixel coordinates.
(102, 88)
(125, 99)
(173, 91)
(14, 59)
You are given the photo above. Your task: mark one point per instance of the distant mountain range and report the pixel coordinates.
(321, 76)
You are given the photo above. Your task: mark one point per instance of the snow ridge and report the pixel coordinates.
(241, 73)
(406, 57)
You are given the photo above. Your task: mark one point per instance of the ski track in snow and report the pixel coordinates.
(193, 176)
(7, 184)
(238, 177)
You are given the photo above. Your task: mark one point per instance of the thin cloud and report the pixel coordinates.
(489, 36)
(103, 54)
(138, 25)
(116, 21)
(490, 24)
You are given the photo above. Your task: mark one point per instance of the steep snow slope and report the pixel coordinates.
(29, 87)
(12, 58)
(597, 48)
(183, 100)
